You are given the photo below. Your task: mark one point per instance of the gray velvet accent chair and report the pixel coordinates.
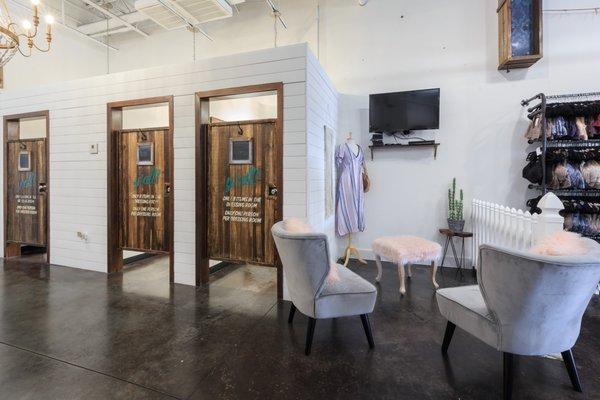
(306, 263)
(524, 304)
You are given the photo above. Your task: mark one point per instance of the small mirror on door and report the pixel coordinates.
(24, 161)
(240, 151)
(145, 153)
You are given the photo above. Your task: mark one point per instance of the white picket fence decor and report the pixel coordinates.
(504, 226)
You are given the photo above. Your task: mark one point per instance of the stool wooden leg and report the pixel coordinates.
(409, 271)
(346, 257)
(379, 268)
(401, 273)
(433, 273)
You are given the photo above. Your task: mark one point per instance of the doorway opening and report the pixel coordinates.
(140, 182)
(239, 182)
(27, 186)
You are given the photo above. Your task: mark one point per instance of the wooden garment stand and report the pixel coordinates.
(351, 249)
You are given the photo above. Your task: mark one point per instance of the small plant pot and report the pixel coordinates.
(456, 225)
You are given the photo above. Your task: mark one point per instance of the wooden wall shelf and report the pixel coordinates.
(407, 145)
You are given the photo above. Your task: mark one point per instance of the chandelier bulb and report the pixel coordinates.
(26, 24)
(35, 2)
(49, 19)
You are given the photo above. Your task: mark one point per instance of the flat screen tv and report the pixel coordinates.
(404, 111)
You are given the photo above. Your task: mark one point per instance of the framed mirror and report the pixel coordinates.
(24, 160)
(145, 153)
(240, 151)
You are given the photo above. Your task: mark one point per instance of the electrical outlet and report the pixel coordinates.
(94, 148)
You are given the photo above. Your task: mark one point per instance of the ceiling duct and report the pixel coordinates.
(200, 10)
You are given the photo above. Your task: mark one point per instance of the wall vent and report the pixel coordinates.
(201, 10)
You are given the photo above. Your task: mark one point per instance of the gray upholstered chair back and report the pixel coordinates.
(537, 301)
(305, 259)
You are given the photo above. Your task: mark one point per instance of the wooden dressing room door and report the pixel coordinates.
(243, 191)
(145, 197)
(27, 202)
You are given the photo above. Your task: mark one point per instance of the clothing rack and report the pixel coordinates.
(572, 95)
(539, 108)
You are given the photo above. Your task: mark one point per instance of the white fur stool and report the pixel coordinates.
(406, 250)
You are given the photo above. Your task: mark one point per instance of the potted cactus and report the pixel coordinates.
(456, 220)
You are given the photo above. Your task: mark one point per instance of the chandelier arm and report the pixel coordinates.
(23, 54)
(42, 50)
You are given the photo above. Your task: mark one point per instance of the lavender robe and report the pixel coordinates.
(350, 194)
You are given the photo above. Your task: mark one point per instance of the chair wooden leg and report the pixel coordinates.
(367, 326)
(507, 376)
(310, 331)
(292, 313)
(402, 276)
(572, 369)
(433, 274)
(450, 327)
(379, 268)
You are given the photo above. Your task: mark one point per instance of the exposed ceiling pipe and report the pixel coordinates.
(88, 37)
(100, 26)
(115, 16)
(113, 31)
(276, 12)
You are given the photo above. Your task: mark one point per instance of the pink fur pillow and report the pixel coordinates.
(561, 243)
(297, 225)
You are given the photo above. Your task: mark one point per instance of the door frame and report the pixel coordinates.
(14, 249)
(202, 123)
(114, 112)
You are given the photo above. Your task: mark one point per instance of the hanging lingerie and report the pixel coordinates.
(573, 109)
(567, 176)
(585, 224)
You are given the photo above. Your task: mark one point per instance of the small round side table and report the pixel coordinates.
(450, 235)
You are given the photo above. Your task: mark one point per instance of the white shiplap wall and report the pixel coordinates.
(321, 111)
(78, 118)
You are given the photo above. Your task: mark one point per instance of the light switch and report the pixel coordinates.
(94, 148)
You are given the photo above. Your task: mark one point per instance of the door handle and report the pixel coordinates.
(167, 189)
(273, 191)
(42, 188)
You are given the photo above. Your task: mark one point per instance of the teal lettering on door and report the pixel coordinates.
(27, 183)
(248, 179)
(150, 179)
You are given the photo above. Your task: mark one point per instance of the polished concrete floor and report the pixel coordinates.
(72, 334)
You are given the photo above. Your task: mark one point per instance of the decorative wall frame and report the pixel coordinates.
(520, 42)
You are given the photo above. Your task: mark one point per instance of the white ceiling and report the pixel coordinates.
(92, 19)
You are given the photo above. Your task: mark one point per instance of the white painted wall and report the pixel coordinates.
(71, 57)
(393, 45)
(321, 111)
(78, 118)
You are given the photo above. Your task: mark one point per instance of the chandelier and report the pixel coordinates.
(13, 38)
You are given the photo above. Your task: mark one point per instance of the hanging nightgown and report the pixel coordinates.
(350, 194)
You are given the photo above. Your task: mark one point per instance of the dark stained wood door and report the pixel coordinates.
(27, 204)
(243, 197)
(144, 187)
